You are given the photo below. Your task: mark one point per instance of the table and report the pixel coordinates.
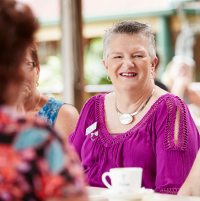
(94, 195)
(197, 122)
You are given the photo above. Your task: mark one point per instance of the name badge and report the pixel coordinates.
(91, 128)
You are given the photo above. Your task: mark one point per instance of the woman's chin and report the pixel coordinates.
(128, 88)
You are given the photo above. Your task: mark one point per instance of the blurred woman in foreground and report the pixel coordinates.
(61, 116)
(35, 163)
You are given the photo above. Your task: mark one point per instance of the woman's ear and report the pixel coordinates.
(37, 72)
(105, 63)
(154, 63)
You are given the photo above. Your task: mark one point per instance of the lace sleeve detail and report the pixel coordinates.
(172, 104)
(172, 191)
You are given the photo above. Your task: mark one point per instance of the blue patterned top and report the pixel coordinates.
(50, 111)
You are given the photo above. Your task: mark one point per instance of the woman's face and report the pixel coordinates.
(31, 76)
(129, 63)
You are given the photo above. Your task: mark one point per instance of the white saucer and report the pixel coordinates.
(112, 196)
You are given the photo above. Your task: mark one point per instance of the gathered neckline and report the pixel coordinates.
(105, 136)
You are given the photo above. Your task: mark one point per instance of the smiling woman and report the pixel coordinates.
(129, 60)
(139, 124)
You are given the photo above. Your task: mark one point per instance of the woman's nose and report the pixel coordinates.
(128, 63)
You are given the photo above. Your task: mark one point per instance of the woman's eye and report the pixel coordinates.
(117, 57)
(137, 56)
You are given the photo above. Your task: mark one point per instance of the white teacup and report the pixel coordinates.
(124, 180)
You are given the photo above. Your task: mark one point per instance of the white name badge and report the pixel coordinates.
(91, 128)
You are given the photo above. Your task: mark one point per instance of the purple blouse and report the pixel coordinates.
(149, 144)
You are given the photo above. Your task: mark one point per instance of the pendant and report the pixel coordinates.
(125, 118)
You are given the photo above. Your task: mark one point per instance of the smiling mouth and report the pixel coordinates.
(128, 74)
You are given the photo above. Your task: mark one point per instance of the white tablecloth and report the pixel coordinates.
(94, 195)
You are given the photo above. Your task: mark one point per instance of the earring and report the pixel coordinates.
(153, 75)
(109, 79)
(37, 84)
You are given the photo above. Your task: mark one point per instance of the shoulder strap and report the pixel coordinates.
(50, 111)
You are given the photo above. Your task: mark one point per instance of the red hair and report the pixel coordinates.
(17, 28)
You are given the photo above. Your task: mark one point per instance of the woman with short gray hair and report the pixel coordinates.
(139, 124)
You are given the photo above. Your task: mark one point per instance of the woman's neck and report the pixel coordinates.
(28, 104)
(129, 102)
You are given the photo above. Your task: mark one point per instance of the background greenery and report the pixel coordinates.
(94, 69)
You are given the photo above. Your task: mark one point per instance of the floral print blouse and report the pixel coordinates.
(35, 164)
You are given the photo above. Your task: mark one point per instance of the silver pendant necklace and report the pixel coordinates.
(128, 118)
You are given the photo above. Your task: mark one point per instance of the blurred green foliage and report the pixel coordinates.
(51, 75)
(51, 72)
(94, 70)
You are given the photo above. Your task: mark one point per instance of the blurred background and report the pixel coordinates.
(70, 45)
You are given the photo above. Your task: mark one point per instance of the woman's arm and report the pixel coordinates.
(66, 120)
(194, 97)
(191, 186)
(179, 87)
(77, 198)
(177, 144)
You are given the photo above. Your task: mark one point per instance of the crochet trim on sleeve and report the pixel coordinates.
(172, 104)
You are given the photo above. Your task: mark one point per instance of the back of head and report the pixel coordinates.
(17, 28)
(129, 27)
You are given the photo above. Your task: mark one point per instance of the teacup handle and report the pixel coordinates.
(105, 174)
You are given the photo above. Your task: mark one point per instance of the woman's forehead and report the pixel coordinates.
(137, 42)
(27, 54)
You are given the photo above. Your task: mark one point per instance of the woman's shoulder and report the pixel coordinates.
(19, 123)
(166, 105)
(91, 108)
(53, 101)
(97, 97)
(93, 101)
(170, 100)
(49, 104)
(164, 98)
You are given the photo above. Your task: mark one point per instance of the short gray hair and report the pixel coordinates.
(129, 27)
